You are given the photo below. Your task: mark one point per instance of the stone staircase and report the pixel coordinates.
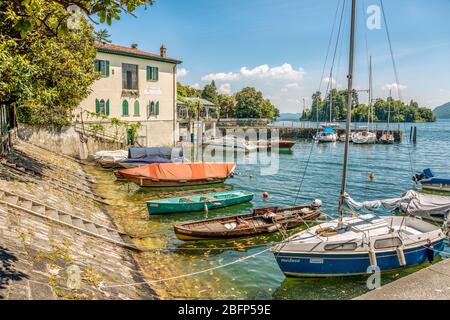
(73, 221)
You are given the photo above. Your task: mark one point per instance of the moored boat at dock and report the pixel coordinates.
(326, 135)
(179, 174)
(262, 220)
(276, 144)
(198, 202)
(110, 159)
(429, 181)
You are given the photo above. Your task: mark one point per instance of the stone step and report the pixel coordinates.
(71, 220)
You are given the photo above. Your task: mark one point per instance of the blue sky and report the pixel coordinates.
(280, 46)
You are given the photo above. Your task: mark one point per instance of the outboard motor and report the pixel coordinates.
(426, 174)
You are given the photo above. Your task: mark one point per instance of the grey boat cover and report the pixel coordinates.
(429, 206)
(168, 153)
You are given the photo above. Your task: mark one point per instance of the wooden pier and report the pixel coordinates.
(302, 133)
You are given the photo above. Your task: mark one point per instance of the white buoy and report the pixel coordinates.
(401, 256)
(372, 257)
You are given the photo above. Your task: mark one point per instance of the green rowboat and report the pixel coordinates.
(198, 202)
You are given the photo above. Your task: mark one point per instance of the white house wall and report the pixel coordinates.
(157, 130)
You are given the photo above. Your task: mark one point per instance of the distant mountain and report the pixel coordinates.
(289, 117)
(442, 112)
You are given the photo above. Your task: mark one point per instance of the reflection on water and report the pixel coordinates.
(260, 277)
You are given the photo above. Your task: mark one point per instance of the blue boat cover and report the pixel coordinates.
(328, 130)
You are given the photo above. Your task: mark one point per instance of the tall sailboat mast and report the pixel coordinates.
(369, 114)
(349, 114)
(389, 110)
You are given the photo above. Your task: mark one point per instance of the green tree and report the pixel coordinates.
(62, 14)
(250, 103)
(226, 106)
(210, 92)
(45, 76)
(187, 91)
(102, 36)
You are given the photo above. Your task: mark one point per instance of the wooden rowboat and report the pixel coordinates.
(198, 202)
(262, 220)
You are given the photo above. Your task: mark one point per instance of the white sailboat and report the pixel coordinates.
(350, 245)
(366, 136)
(387, 137)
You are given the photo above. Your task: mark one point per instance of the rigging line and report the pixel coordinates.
(320, 87)
(394, 65)
(329, 45)
(220, 266)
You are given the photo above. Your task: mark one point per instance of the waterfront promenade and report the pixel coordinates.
(432, 283)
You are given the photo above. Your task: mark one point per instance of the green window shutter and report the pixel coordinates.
(156, 73)
(136, 108)
(106, 68)
(157, 108)
(97, 106)
(148, 73)
(125, 108)
(96, 65)
(107, 107)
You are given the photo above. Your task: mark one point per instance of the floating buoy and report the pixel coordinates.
(250, 177)
(372, 176)
(265, 195)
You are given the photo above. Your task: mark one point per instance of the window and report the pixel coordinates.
(136, 108)
(387, 243)
(129, 76)
(102, 106)
(102, 66)
(341, 246)
(153, 108)
(125, 108)
(152, 73)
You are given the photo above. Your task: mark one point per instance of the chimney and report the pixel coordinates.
(163, 51)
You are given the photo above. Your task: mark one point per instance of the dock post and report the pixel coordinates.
(410, 134)
(415, 135)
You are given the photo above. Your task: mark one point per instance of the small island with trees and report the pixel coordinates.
(399, 111)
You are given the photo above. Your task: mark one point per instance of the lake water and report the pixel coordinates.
(318, 169)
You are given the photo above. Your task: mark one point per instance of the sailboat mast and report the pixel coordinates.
(349, 113)
(369, 115)
(331, 96)
(389, 109)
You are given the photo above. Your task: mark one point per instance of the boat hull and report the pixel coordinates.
(436, 187)
(332, 265)
(163, 208)
(154, 183)
(187, 234)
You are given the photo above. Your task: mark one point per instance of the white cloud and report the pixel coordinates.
(283, 72)
(327, 81)
(182, 72)
(225, 88)
(230, 76)
(196, 86)
(292, 85)
(393, 86)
